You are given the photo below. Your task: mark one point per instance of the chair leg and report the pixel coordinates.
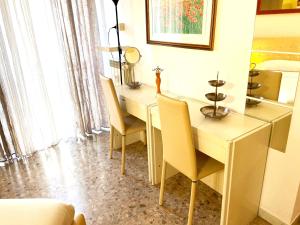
(123, 155)
(144, 137)
(192, 202)
(162, 183)
(112, 133)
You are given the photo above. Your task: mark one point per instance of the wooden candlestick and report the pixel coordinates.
(158, 80)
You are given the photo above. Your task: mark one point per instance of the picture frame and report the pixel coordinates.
(261, 11)
(181, 23)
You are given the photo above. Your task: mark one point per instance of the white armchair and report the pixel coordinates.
(38, 212)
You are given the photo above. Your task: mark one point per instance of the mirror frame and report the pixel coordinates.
(277, 11)
(140, 56)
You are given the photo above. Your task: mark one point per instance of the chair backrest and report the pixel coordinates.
(115, 113)
(177, 136)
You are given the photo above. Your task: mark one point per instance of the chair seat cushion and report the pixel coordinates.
(207, 165)
(133, 124)
(35, 212)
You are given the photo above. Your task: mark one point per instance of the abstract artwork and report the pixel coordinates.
(181, 23)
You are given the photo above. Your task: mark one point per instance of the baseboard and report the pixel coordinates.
(270, 218)
(274, 220)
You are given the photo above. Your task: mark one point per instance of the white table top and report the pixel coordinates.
(229, 128)
(145, 95)
(267, 112)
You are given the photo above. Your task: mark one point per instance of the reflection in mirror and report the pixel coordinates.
(274, 80)
(278, 6)
(280, 119)
(275, 69)
(272, 85)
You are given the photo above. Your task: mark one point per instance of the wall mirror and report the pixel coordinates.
(278, 6)
(274, 71)
(272, 84)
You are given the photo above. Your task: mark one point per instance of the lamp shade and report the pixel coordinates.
(115, 2)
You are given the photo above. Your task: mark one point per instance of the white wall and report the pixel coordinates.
(282, 179)
(187, 71)
(277, 25)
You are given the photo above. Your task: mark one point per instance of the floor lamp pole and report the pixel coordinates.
(119, 45)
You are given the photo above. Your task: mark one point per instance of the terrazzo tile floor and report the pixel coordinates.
(82, 175)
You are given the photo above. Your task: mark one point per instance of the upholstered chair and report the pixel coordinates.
(119, 122)
(178, 147)
(38, 212)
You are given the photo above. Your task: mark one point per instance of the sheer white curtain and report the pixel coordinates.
(33, 75)
(78, 26)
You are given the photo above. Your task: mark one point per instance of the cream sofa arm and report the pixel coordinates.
(79, 220)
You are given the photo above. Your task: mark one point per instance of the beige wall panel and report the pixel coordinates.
(280, 133)
(215, 181)
(130, 139)
(245, 177)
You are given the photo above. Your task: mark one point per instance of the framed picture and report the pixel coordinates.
(277, 7)
(181, 23)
